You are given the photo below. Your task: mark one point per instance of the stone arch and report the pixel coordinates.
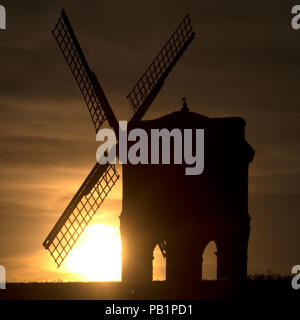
(158, 265)
(209, 261)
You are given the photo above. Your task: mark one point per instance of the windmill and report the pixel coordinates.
(98, 184)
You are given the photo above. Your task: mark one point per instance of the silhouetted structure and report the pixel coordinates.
(162, 205)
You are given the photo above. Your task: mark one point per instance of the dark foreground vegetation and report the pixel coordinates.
(256, 287)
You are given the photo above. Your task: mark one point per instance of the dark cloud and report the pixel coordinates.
(42, 151)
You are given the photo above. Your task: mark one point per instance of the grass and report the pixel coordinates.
(257, 286)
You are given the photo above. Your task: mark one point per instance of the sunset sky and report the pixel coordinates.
(244, 61)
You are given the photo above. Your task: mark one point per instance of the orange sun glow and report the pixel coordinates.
(97, 256)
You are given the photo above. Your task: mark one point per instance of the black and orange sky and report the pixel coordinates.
(244, 61)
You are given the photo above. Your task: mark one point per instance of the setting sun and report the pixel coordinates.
(97, 255)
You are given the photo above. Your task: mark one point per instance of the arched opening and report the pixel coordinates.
(158, 265)
(209, 264)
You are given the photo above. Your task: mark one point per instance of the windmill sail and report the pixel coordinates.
(102, 178)
(163, 248)
(150, 83)
(93, 95)
(80, 211)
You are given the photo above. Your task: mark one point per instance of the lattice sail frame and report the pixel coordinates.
(80, 211)
(162, 64)
(100, 181)
(163, 248)
(71, 50)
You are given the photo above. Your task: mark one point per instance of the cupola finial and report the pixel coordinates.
(184, 105)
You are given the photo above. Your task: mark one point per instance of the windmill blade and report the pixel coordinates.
(151, 82)
(163, 248)
(80, 211)
(149, 85)
(93, 95)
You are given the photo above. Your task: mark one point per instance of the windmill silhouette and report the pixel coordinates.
(161, 205)
(102, 178)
